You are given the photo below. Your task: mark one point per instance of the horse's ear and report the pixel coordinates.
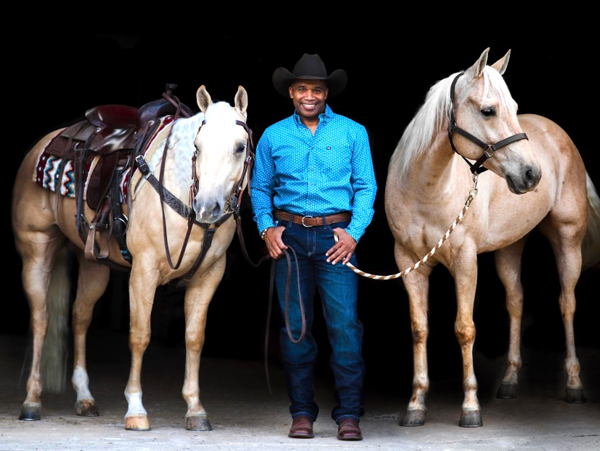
(501, 64)
(203, 98)
(476, 69)
(241, 101)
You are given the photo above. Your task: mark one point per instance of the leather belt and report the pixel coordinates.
(311, 221)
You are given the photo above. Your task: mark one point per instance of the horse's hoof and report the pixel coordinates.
(574, 395)
(137, 423)
(31, 412)
(197, 423)
(470, 419)
(86, 408)
(507, 391)
(413, 418)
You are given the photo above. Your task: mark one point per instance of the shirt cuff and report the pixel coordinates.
(265, 222)
(354, 233)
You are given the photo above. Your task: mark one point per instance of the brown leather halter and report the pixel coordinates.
(488, 149)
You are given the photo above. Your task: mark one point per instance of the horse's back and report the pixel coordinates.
(552, 142)
(563, 171)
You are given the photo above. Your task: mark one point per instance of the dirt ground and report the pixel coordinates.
(245, 416)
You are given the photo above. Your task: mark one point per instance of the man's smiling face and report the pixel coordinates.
(309, 98)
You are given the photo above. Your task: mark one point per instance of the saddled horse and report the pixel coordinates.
(181, 203)
(468, 124)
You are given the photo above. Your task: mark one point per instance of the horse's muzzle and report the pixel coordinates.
(525, 180)
(208, 211)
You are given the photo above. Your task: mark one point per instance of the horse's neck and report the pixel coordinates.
(178, 163)
(435, 171)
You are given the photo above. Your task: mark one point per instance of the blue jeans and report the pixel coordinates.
(338, 286)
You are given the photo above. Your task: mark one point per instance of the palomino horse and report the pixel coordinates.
(212, 148)
(536, 178)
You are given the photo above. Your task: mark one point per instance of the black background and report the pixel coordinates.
(57, 72)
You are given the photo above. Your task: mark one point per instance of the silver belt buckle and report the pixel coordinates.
(306, 225)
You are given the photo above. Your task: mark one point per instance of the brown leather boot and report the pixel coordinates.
(301, 427)
(348, 429)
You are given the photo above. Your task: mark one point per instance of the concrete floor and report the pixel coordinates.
(245, 416)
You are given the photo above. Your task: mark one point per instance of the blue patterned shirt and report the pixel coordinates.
(321, 174)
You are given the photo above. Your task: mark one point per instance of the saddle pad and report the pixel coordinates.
(50, 168)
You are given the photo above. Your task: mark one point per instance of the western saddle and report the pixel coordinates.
(103, 148)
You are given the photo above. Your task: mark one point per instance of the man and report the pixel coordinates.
(312, 192)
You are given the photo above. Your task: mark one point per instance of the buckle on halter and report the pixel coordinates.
(489, 151)
(306, 225)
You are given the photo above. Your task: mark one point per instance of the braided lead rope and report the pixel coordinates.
(472, 194)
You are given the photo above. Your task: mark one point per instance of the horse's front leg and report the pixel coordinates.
(417, 286)
(465, 276)
(197, 299)
(142, 288)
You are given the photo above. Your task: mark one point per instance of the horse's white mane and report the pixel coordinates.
(432, 118)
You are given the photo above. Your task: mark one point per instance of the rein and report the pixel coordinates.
(162, 195)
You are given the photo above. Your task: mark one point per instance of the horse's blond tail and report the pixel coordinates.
(53, 367)
(591, 242)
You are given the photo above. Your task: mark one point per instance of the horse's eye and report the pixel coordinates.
(488, 112)
(240, 149)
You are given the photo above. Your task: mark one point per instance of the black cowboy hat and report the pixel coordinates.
(309, 67)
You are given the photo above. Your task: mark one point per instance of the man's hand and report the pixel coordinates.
(343, 249)
(274, 242)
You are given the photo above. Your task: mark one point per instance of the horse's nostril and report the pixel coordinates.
(529, 175)
(209, 211)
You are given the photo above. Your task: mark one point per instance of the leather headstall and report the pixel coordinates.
(488, 149)
(186, 211)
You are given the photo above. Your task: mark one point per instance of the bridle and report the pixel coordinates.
(232, 205)
(488, 149)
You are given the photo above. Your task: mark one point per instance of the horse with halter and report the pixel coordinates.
(188, 211)
(536, 178)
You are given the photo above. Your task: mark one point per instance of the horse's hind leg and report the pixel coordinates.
(508, 265)
(38, 251)
(197, 298)
(92, 282)
(566, 244)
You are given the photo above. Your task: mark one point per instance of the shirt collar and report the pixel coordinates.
(324, 116)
